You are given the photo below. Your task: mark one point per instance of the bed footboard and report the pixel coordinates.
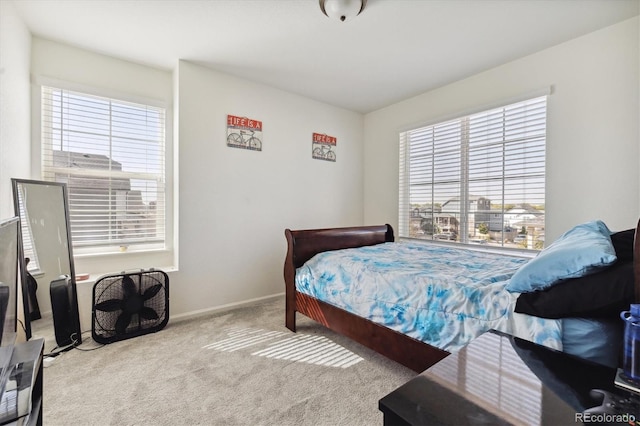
(302, 245)
(412, 353)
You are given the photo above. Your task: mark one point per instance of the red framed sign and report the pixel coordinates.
(323, 147)
(243, 132)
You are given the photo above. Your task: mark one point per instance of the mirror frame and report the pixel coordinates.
(74, 313)
(24, 284)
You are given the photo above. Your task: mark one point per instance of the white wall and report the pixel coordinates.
(593, 128)
(15, 113)
(235, 203)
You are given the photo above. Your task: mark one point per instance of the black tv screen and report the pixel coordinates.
(9, 246)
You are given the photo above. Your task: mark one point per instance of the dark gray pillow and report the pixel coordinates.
(601, 295)
(623, 244)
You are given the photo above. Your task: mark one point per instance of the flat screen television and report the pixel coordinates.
(9, 281)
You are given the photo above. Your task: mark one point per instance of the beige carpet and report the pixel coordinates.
(240, 367)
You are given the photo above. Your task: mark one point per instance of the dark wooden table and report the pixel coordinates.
(498, 380)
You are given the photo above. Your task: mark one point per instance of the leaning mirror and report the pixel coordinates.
(46, 235)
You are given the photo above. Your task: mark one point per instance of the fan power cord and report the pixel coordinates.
(57, 351)
(88, 349)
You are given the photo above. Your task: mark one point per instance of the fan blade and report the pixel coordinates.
(148, 314)
(128, 286)
(109, 305)
(123, 322)
(151, 291)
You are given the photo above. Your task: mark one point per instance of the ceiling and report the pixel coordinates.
(394, 50)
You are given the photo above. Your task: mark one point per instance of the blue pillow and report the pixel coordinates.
(580, 251)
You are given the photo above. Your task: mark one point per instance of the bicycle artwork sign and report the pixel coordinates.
(243, 132)
(323, 147)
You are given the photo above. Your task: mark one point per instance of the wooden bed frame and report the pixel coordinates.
(302, 245)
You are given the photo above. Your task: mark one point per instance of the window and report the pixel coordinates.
(111, 155)
(478, 179)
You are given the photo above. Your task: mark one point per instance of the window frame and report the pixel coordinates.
(164, 252)
(406, 208)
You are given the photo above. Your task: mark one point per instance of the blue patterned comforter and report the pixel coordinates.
(440, 295)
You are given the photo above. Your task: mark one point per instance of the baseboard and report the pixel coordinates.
(224, 308)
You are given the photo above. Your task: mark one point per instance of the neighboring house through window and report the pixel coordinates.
(111, 155)
(478, 178)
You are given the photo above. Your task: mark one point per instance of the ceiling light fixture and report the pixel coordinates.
(343, 10)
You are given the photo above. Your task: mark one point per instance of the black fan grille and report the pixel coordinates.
(129, 305)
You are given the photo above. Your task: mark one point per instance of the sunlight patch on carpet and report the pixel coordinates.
(240, 338)
(310, 349)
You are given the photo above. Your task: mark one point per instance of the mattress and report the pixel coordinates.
(443, 296)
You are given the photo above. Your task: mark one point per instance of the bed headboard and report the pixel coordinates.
(304, 244)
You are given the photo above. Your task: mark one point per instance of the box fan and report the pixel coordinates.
(129, 304)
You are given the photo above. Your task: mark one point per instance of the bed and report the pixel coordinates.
(414, 353)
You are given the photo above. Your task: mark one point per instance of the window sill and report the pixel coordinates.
(95, 277)
(105, 263)
(477, 247)
(80, 254)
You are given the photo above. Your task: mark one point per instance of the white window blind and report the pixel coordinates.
(111, 155)
(477, 179)
(33, 265)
